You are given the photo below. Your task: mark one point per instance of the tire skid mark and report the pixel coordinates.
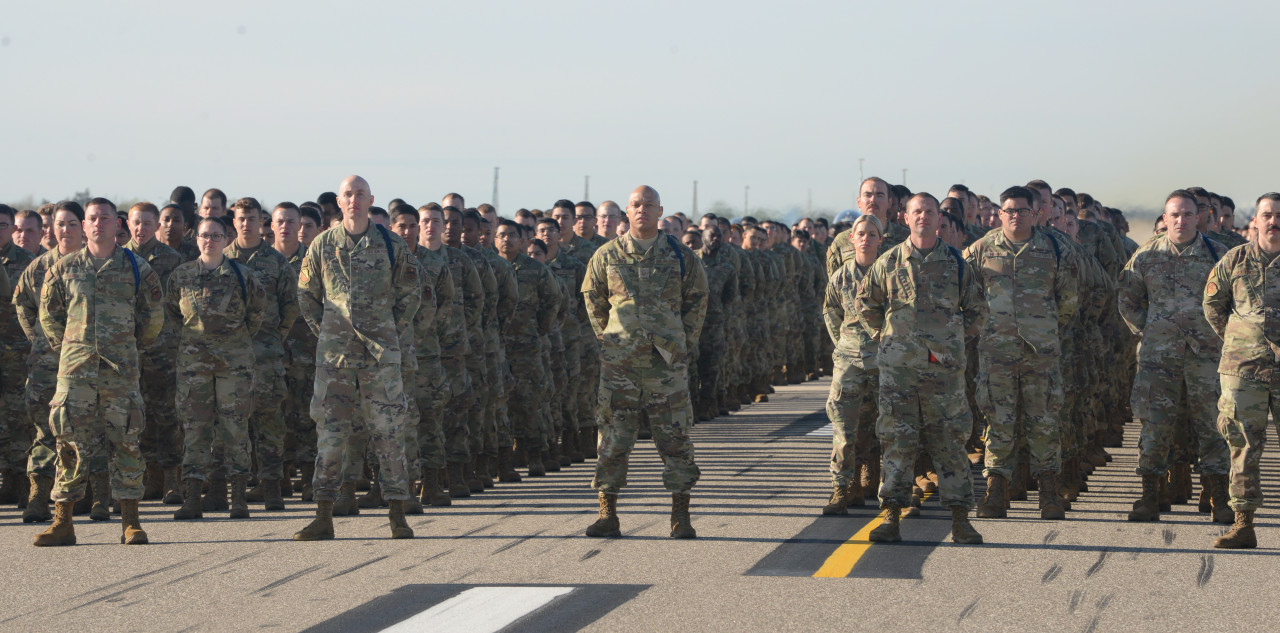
(1051, 574)
(132, 578)
(479, 529)
(1096, 567)
(589, 554)
(1076, 597)
(967, 611)
(213, 567)
(517, 542)
(354, 568)
(426, 560)
(107, 597)
(1169, 535)
(266, 589)
(1050, 537)
(1206, 570)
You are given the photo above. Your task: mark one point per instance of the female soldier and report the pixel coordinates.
(220, 307)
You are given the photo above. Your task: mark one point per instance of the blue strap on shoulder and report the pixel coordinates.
(244, 294)
(959, 266)
(386, 239)
(675, 246)
(1209, 245)
(137, 278)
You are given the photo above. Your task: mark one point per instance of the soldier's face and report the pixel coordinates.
(68, 231)
(866, 239)
(1070, 225)
(211, 207)
(692, 240)
(172, 225)
(607, 218)
(711, 238)
(564, 217)
(537, 254)
(432, 227)
(643, 212)
(1227, 221)
(922, 217)
(507, 241)
(547, 233)
(1268, 225)
(101, 224)
(584, 222)
(1180, 219)
(453, 229)
(248, 223)
(308, 231)
(143, 225)
(470, 233)
(355, 199)
(286, 222)
(26, 233)
(873, 198)
(406, 226)
(6, 230)
(1017, 217)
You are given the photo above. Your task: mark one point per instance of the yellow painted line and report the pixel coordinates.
(840, 563)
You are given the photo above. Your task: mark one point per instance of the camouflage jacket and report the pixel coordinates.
(1029, 292)
(438, 292)
(464, 317)
(842, 318)
(571, 272)
(1230, 239)
(26, 302)
(921, 306)
(97, 317)
(639, 301)
(767, 279)
(505, 281)
(276, 276)
(14, 259)
(842, 248)
(1242, 304)
(217, 316)
(301, 341)
(1159, 295)
(163, 260)
(580, 248)
(489, 282)
(1098, 244)
(539, 296)
(744, 274)
(358, 298)
(722, 284)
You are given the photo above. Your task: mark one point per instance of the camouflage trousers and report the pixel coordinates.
(432, 393)
(525, 394)
(479, 370)
(923, 409)
(570, 398)
(42, 382)
(501, 409)
(97, 419)
(1020, 398)
(15, 432)
(357, 451)
(1242, 421)
(457, 443)
(851, 407)
(590, 383)
(495, 385)
(645, 389)
(299, 380)
(162, 437)
(1170, 393)
(215, 413)
(711, 352)
(349, 400)
(267, 427)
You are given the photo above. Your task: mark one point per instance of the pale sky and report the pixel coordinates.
(1124, 100)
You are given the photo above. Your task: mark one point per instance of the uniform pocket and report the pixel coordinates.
(1229, 426)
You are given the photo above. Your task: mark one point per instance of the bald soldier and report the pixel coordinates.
(646, 297)
(358, 290)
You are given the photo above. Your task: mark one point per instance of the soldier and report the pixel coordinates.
(358, 290)
(855, 380)
(571, 272)
(274, 273)
(646, 297)
(216, 306)
(28, 227)
(42, 377)
(172, 231)
(98, 306)
(289, 224)
(722, 292)
(1179, 354)
(608, 217)
(15, 432)
(873, 198)
(1029, 295)
(920, 300)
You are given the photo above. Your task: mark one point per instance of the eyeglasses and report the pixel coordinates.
(1017, 211)
(212, 237)
(584, 217)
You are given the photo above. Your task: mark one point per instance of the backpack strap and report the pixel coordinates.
(1209, 245)
(386, 239)
(244, 294)
(1057, 253)
(675, 246)
(955, 254)
(137, 278)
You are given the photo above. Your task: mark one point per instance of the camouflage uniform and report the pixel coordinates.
(646, 307)
(482, 430)
(583, 249)
(496, 413)
(267, 426)
(722, 291)
(432, 388)
(162, 436)
(216, 313)
(459, 357)
(42, 365)
(1158, 293)
(359, 299)
(97, 316)
(842, 248)
(1241, 301)
(15, 432)
(921, 305)
(571, 272)
(855, 379)
(539, 296)
(1029, 295)
(299, 380)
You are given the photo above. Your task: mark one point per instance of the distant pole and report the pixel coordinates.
(586, 188)
(904, 176)
(695, 197)
(745, 191)
(860, 176)
(808, 207)
(495, 189)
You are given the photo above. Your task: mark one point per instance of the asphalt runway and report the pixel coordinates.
(515, 559)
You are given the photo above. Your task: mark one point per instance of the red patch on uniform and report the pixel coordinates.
(931, 358)
(1212, 288)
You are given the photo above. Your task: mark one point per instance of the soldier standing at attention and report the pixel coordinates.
(920, 301)
(873, 199)
(1158, 292)
(172, 231)
(646, 296)
(358, 290)
(287, 222)
(1029, 294)
(98, 306)
(1240, 301)
(15, 433)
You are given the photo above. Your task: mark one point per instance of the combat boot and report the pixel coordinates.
(191, 507)
(101, 510)
(172, 486)
(153, 482)
(962, 531)
(1050, 504)
(38, 503)
(239, 500)
(412, 505)
(1205, 503)
(993, 505)
(1241, 535)
(506, 469)
(432, 491)
(61, 532)
(472, 472)
(1164, 498)
(917, 501)
(85, 503)
(272, 497)
(607, 524)
(588, 439)
(286, 484)
(1017, 490)
(399, 526)
(869, 479)
(1071, 480)
(131, 529)
(8, 486)
(482, 472)
(1219, 498)
(308, 473)
(458, 488)
(1180, 480)
(345, 505)
(552, 460)
(254, 494)
(888, 530)
(215, 500)
(841, 498)
(373, 498)
(681, 524)
(537, 468)
(1148, 507)
(321, 527)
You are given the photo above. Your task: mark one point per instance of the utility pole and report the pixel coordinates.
(808, 207)
(695, 197)
(495, 189)
(586, 188)
(904, 176)
(860, 176)
(745, 208)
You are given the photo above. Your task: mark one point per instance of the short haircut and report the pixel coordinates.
(327, 197)
(822, 222)
(551, 222)
(182, 194)
(901, 192)
(146, 207)
(246, 204)
(505, 222)
(286, 205)
(380, 212)
(1066, 193)
(431, 206)
(309, 205)
(27, 213)
(72, 207)
(1274, 197)
(1228, 203)
(562, 204)
(1181, 193)
(47, 209)
(1084, 200)
(305, 211)
(102, 202)
(951, 205)
(1016, 192)
(800, 234)
(486, 208)
(539, 244)
(523, 213)
(926, 195)
(445, 211)
(1039, 184)
(1198, 192)
(957, 223)
(9, 211)
(217, 193)
(958, 188)
(471, 215)
(451, 194)
(586, 204)
(404, 209)
(887, 186)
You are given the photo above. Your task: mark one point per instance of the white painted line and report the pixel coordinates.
(825, 431)
(480, 610)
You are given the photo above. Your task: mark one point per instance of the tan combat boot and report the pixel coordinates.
(172, 486)
(869, 479)
(962, 531)
(131, 529)
(1241, 535)
(1219, 498)
(215, 499)
(308, 473)
(321, 527)
(37, 510)
(399, 526)
(61, 532)
(412, 505)
(551, 459)
(681, 524)
(506, 466)
(345, 504)
(101, 510)
(373, 498)
(993, 503)
(887, 531)
(1205, 503)
(1164, 498)
(482, 472)
(239, 498)
(1051, 507)
(607, 525)
(537, 468)
(588, 439)
(572, 447)
(191, 507)
(432, 491)
(1147, 508)
(458, 488)
(1017, 490)
(272, 497)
